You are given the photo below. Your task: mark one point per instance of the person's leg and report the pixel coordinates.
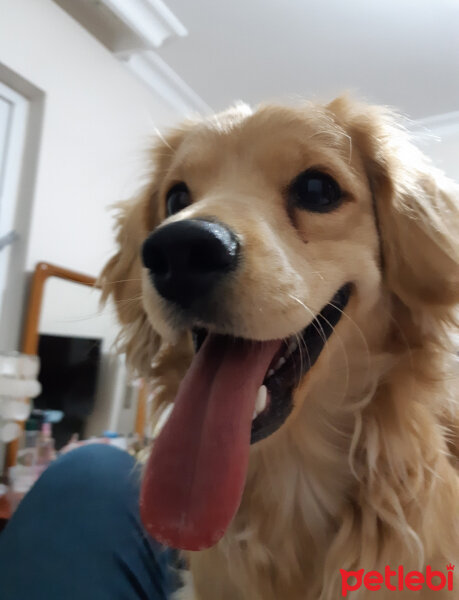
(77, 535)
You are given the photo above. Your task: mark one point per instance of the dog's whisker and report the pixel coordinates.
(359, 331)
(114, 281)
(350, 147)
(316, 324)
(163, 154)
(319, 329)
(343, 347)
(302, 345)
(319, 273)
(324, 338)
(163, 139)
(124, 301)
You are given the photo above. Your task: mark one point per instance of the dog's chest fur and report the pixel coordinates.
(309, 509)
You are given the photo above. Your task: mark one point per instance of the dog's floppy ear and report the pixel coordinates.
(121, 280)
(121, 276)
(417, 210)
(163, 365)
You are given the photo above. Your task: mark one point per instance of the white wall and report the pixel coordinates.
(93, 120)
(97, 123)
(98, 120)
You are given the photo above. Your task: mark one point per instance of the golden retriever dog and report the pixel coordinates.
(287, 282)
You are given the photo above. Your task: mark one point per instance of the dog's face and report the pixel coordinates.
(292, 196)
(260, 231)
(267, 230)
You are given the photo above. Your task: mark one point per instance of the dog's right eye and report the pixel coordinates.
(177, 198)
(315, 191)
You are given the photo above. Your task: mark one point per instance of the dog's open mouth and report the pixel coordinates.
(236, 392)
(292, 360)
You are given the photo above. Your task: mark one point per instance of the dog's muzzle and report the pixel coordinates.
(188, 259)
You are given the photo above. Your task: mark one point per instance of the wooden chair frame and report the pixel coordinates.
(43, 271)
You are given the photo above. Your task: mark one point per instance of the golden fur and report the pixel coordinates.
(363, 472)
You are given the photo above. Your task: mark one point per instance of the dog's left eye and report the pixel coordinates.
(315, 191)
(177, 197)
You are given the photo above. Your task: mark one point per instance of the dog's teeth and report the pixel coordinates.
(270, 372)
(292, 347)
(162, 420)
(262, 395)
(260, 403)
(280, 362)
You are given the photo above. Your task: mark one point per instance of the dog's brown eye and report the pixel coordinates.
(315, 191)
(177, 198)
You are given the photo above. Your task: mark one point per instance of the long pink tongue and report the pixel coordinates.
(196, 473)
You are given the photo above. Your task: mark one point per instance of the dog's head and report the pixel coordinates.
(261, 233)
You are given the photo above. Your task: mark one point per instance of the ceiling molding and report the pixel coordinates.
(151, 20)
(157, 74)
(132, 30)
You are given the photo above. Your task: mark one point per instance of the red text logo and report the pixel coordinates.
(397, 580)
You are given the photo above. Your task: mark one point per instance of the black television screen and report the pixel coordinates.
(68, 375)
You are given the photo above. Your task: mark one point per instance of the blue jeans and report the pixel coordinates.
(77, 535)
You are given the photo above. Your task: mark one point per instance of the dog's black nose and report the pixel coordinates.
(188, 258)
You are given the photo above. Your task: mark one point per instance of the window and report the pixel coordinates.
(13, 121)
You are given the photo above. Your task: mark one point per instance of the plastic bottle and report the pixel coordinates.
(45, 448)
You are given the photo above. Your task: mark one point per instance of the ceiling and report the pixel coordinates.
(404, 53)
